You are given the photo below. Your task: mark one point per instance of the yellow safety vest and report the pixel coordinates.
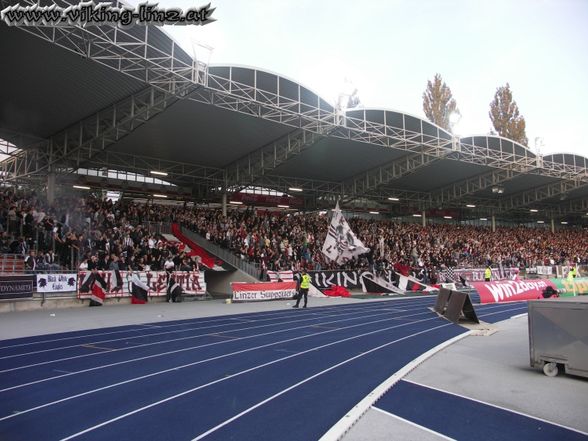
(488, 273)
(305, 283)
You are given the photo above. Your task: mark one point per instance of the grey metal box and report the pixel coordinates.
(558, 334)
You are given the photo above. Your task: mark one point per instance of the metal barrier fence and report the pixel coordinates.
(67, 256)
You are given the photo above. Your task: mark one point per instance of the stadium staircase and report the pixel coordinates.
(11, 264)
(225, 255)
(219, 280)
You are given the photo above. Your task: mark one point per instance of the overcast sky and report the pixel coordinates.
(390, 48)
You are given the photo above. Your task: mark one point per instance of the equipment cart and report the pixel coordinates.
(558, 335)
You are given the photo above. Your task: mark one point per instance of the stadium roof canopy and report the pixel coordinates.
(103, 98)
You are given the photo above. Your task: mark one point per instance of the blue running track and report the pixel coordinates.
(464, 419)
(287, 375)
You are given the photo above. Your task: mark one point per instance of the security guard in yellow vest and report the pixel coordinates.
(487, 274)
(303, 291)
(572, 273)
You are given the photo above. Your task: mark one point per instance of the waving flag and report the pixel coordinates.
(341, 244)
(174, 290)
(94, 284)
(139, 290)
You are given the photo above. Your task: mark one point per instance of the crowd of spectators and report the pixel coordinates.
(87, 233)
(280, 240)
(91, 233)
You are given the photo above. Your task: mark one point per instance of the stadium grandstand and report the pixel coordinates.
(122, 154)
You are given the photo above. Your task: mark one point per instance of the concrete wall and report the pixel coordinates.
(218, 283)
(62, 302)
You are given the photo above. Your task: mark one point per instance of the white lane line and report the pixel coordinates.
(199, 320)
(492, 306)
(161, 354)
(306, 380)
(498, 312)
(189, 391)
(496, 406)
(423, 428)
(263, 319)
(353, 315)
(98, 334)
(340, 427)
(129, 338)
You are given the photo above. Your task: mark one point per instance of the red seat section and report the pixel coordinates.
(207, 259)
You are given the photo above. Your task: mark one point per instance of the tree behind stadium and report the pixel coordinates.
(505, 117)
(438, 103)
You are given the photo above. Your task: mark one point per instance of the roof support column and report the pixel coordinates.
(493, 223)
(51, 187)
(552, 225)
(224, 203)
(424, 218)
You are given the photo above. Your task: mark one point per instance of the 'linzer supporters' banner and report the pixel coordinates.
(568, 288)
(119, 285)
(263, 291)
(512, 290)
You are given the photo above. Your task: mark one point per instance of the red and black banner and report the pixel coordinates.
(94, 284)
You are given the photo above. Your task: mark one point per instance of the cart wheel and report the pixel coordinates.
(550, 369)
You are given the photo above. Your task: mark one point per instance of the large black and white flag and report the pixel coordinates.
(341, 245)
(139, 290)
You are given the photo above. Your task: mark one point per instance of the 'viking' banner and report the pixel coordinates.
(341, 244)
(367, 281)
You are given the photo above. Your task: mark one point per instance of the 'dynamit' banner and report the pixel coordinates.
(512, 290)
(16, 287)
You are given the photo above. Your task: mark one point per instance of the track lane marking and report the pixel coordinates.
(211, 383)
(283, 314)
(306, 380)
(496, 406)
(423, 428)
(161, 354)
(134, 379)
(352, 314)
